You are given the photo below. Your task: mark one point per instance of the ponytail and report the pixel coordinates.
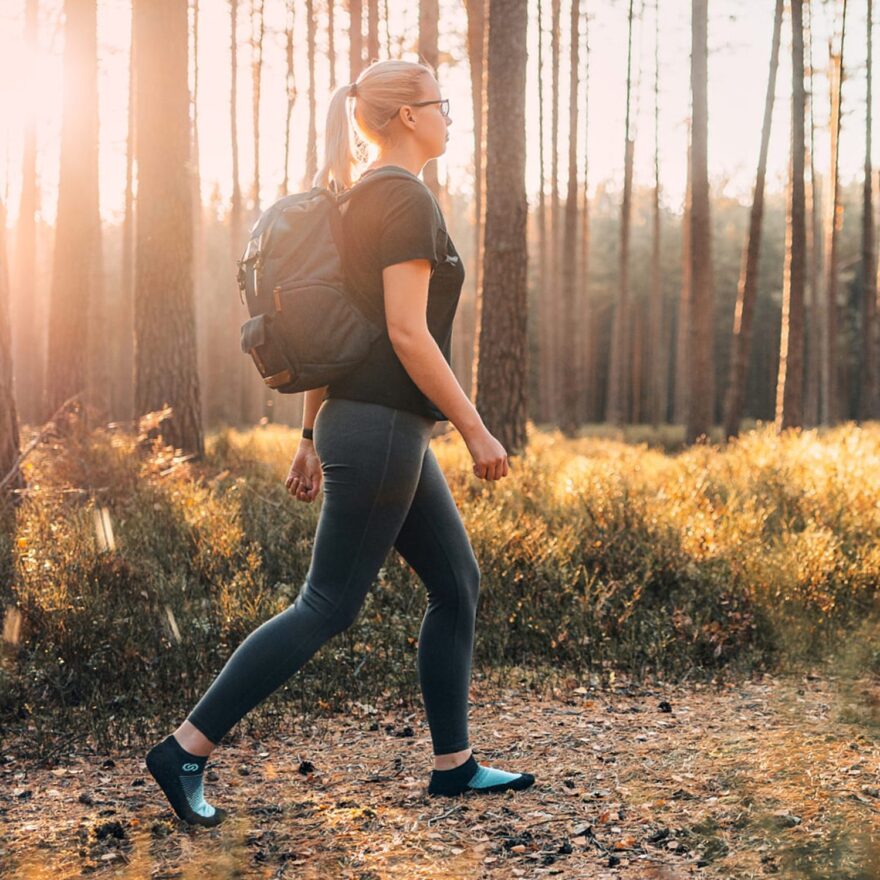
(340, 144)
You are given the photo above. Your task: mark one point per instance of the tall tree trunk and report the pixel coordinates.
(545, 350)
(257, 403)
(429, 14)
(814, 249)
(9, 439)
(291, 93)
(312, 137)
(477, 35)
(331, 43)
(683, 316)
(372, 30)
(790, 385)
(701, 368)
(830, 408)
(165, 356)
(205, 305)
(746, 293)
(569, 419)
(78, 224)
(239, 375)
(587, 349)
(553, 285)
(868, 391)
(503, 343)
(125, 317)
(655, 356)
(356, 40)
(29, 342)
(618, 366)
(257, 32)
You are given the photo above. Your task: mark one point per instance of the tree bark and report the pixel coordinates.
(165, 355)
(618, 366)
(9, 436)
(29, 348)
(501, 381)
(790, 385)
(829, 404)
(569, 419)
(78, 225)
(701, 367)
(747, 288)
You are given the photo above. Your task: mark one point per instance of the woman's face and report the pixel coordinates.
(433, 127)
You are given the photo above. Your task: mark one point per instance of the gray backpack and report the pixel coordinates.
(306, 329)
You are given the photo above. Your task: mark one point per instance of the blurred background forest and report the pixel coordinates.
(674, 274)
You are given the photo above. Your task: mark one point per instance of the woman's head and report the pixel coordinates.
(388, 111)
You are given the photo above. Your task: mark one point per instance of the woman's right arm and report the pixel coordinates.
(406, 303)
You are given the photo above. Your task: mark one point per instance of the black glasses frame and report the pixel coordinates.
(443, 102)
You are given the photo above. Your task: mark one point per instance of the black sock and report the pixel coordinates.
(474, 776)
(181, 776)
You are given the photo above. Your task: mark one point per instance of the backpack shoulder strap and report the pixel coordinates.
(378, 174)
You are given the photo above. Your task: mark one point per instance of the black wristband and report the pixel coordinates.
(307, 433)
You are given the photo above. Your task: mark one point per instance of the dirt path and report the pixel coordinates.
(778, 776)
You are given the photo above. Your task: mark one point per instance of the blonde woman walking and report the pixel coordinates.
(367, 439)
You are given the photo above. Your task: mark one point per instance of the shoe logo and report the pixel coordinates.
(190, 767)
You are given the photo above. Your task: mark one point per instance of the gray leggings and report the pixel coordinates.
(382, 488)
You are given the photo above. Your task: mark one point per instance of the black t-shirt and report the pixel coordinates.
(389, 222)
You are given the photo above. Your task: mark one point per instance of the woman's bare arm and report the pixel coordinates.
(406, 303)
(314, 398)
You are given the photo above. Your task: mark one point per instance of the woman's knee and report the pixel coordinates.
(469, 576)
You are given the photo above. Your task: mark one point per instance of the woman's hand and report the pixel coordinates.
(490, 457)
(304, 477)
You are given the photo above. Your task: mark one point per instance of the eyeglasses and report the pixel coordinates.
(443, 102)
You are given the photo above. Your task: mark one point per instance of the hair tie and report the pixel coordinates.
(352, 89)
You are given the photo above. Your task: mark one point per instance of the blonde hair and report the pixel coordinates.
(382, 89)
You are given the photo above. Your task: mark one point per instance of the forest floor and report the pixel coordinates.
(772, 776)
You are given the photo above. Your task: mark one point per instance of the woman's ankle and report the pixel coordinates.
(193, 740)
(451, 760)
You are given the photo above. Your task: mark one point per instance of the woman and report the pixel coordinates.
(366, 437)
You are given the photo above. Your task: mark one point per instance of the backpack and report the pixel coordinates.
(306, 329)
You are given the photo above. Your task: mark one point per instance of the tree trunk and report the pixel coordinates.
(655, 353)
(356, 40)
(429, 14)
(477, 35)
(790, 385)
(165, 356)
(9, 439)
(553, 285)
(372, 30)
(29, 338)
(701, 368)
(681, 388)
(569, 418)
(815, 315)
(829, 403)
(586, 347)
(748, 280)
(502, 346)
(291, 93)
(868, 391)
(312, 136)
(618, 366)
(78, 224)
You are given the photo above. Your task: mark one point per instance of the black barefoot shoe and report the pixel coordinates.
(472, 776)
(180, 776)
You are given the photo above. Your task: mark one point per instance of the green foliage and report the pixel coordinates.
(595, 554)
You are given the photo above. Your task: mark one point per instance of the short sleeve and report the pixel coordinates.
(410, 226)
